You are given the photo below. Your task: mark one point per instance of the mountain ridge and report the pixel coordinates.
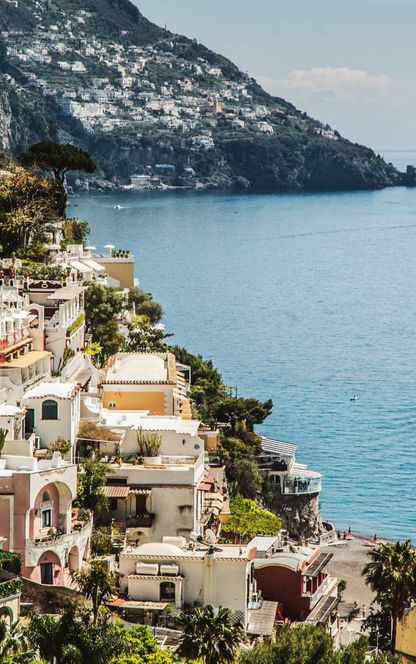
(99, 74)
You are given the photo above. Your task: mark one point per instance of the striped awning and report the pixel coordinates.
(116, 491)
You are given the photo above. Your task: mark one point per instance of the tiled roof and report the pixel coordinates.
(116, 491)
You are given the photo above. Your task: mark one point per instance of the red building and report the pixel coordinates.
(296, 578)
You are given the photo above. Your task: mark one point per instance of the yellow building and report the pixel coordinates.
(406, 636)
(119, 268)
(146, 381)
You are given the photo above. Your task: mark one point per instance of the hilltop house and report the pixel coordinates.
(146, 381)
(295, 487)
(192, 574)
(37, 519)
(53, 411)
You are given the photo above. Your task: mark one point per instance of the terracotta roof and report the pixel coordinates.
(116, 491)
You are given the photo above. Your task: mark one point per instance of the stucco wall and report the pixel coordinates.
(281, 584)
(155, 401)
(124, 272)
(174, 509)
(406, 636)
(65, 426)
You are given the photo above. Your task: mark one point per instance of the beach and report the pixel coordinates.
(349, 558)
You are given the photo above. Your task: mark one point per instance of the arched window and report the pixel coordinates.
(49, 410)
(167, 591)
(45, 497)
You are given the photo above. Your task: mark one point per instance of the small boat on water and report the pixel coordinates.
(118, 207)
(354, 398)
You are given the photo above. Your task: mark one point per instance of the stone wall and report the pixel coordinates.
(50, 599)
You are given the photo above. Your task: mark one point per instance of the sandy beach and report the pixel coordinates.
(349, 558)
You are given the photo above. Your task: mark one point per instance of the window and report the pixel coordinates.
(45, 497)
(47, 518)
(167, 591)
(30, 420)
(49, 410)
(112, 505)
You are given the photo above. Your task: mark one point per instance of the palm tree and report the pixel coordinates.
(97, 584)
(210, 636)
(391, 574)
(13, 641)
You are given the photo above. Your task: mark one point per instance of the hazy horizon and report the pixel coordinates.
(350, 66)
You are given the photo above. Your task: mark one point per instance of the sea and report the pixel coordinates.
(307, 299)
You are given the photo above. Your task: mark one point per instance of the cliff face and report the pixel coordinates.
(300, 514)
(100, 75)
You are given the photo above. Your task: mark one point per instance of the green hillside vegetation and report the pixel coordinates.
(130, 135)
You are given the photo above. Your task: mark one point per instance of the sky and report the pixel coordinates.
(350, 63)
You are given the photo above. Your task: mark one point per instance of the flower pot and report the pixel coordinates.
(153, 461)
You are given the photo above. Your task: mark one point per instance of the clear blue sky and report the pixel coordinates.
(347, 62)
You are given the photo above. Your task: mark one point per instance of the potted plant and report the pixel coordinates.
(149, 447)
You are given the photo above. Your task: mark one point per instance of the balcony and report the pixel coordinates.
(58, 538)
(295, 486)
(144, 520)
(326, 588)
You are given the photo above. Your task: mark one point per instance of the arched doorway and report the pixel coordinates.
(73, 559)
(50, 570)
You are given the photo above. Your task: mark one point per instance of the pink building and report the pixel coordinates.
(38, 520)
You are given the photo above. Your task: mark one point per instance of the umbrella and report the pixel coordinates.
(90, 248)
(109, 246)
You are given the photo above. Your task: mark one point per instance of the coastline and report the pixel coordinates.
(349, 557)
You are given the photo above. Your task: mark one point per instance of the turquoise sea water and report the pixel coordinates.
(306, 299)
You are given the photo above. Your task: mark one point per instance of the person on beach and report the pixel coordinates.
(375, 538)
(349, 530)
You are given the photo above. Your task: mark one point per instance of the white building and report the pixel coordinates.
(190, 574)
(53, 411)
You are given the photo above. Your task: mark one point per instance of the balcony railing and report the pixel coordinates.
(295, 486)
(59, 537)
(326, 586)
(144, 520)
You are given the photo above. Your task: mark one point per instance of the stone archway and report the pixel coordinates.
(73, 559)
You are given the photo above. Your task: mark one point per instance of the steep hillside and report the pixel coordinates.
(151, 103)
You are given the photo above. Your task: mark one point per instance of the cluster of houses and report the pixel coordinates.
(167, 492)
(134, 93)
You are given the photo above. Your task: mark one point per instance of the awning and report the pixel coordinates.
(116, 491)
(322, 610)
(141, 492)
(77, 265)
(317, 565)
(16, 346)
(261, 621)
(144, 606)
(93, 265)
